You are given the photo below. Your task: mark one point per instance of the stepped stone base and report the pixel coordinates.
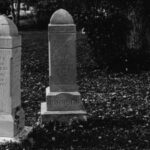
(12, 124)
(46, 115)
(63, 101)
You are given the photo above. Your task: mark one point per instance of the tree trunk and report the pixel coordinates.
(135, 40)
(18, 13)
(13, 11)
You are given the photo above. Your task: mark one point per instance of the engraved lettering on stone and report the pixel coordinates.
(4, 78)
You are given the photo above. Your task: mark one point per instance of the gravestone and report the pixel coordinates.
(62, 97)
(11, 113)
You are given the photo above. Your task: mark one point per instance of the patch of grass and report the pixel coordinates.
(34, 72)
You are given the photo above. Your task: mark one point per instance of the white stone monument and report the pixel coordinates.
(11, 113)
(63, 100)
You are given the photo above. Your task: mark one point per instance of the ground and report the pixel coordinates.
(118, 104)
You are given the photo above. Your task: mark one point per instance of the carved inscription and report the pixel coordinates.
(64, 99)
(63, 59)
(4, 79)
(3, 70)
(63, 102)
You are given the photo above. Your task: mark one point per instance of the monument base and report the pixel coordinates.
(12, 124)
(47, 116)
(63, 101)
(7, 128)
(20, 136)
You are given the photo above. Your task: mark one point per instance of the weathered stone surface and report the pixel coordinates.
(62, 116)
(7, 27)
(5, 99)
(63, 101)
(6, 125)
(10, 63)
(9, 42)
(12, 124)
(62, 97)
(62, 60)
(10, 66)
(61, 16)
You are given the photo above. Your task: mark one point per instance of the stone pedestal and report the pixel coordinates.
(62, 97)
(62, 106)
(11, 113)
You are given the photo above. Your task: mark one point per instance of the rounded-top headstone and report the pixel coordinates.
(7, 27)
(61, 16)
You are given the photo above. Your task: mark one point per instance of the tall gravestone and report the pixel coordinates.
(62, 97)
(11, 113)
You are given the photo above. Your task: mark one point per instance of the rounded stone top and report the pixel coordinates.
(7, 27)
(61, 16)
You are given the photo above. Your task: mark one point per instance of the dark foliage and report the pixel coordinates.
(5, 7)
(34, 73)
(107, 27)
(44, 12)
(95, 133)
(107, 36)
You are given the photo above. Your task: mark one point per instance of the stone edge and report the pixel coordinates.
(45, 112)
(48, 92)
